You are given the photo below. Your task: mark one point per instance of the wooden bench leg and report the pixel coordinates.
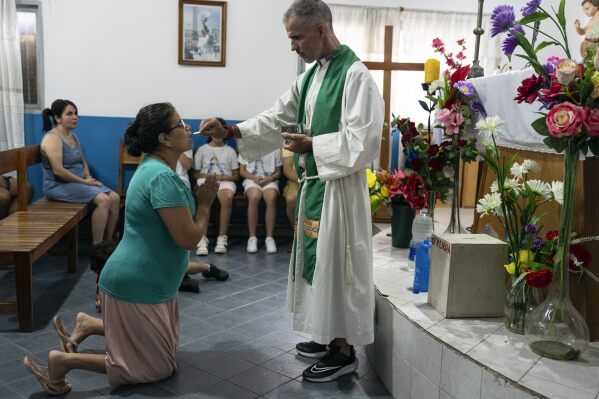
(72, 248)
(24, 291)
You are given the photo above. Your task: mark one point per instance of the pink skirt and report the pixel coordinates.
(141, 340)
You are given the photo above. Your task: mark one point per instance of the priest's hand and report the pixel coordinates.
(212, 127)
(297, 142)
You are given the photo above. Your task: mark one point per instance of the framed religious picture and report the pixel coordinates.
(202, 32)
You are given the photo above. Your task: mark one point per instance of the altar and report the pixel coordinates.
(518, 138)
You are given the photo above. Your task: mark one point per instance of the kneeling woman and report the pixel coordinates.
(140, 280)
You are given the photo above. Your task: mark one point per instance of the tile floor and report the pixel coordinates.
(236, 336)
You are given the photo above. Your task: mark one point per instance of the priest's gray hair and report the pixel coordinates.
(313, 12)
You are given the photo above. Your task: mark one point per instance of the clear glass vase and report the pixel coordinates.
(555, 329)
(455, 226)
(521, 299)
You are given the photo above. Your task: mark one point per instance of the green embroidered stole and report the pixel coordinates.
(325, 119)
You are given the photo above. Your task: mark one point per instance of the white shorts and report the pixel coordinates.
(222, 185)
(247, 184)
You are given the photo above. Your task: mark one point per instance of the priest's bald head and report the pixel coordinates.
(309, 25)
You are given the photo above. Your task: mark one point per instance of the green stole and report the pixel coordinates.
(325, 119)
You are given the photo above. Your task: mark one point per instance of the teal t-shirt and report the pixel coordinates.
(148, 266)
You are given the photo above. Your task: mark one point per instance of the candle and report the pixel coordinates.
(431, 70)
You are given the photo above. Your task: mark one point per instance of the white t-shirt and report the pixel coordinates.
(265, 166)
(183, 172)
(219, 160)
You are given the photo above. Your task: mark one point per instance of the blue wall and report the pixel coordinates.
(99, 136)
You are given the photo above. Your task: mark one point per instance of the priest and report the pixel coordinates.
(330, 291)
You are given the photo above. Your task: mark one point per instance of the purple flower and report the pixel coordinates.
(478, 108)
(502, 19)
(538, 243)
(511, 40)
(549, 67)
(530, 8)
(530, 228)
(464, 88)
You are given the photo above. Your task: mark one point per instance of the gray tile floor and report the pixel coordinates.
(236, 336)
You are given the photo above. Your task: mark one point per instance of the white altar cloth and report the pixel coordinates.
(497, 94)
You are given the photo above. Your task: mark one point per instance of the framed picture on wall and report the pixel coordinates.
(202, 32)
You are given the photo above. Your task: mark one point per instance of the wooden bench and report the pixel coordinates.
(32, 231)
(127, 161)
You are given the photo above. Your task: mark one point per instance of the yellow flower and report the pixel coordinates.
(595, 81)
(371, 178)
(375, 203)
(384, 192)
(525, 256)
(510, 268)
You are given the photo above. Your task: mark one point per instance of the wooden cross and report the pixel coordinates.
(388, 66)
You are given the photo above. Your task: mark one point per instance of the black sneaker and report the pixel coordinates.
(311, 349)
(332, 366)
(189, 284)
(216, 273)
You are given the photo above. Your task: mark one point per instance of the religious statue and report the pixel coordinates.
(591, 30)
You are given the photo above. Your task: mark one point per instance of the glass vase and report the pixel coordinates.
(555, 329)
(432, 201)
(521, 299)
(455, 226)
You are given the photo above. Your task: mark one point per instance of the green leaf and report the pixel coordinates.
(537, 16)
(542, 45)
(539, 69)
(424, 105)
(559, 145)
(540, 126)
(561, 14)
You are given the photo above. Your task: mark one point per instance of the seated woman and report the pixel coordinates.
(138, 285)
(66, 173)
(215, 157)
(261, 181)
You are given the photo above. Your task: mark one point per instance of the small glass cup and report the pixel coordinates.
(292, 128)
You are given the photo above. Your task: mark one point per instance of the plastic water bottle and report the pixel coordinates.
(423, 264)
(422, 229)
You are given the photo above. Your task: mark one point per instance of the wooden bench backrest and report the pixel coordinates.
(125, 159)
(20, 159)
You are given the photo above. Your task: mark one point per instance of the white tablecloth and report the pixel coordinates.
(497, 94)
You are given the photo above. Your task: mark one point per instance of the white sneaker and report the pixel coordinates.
(271, 246)
(221, 245)
(252, 245)
(202, 247)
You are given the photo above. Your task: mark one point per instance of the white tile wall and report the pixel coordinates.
(427, 355)
(460, 377)
(494, 387)
(421, 387)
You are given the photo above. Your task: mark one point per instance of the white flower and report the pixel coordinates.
(511, 184)
(541, 188)
(448, 171)
(494, 187)
(489, 204)
(489, 125)
(530, 166)
(557, 188)
(519, 170)
(436, 85)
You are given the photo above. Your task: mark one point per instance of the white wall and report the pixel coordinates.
(113, 56)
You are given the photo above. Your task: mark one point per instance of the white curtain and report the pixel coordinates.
(362, 28)
(12, 109)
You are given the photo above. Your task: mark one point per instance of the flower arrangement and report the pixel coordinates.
(384, 188)
(569, 93)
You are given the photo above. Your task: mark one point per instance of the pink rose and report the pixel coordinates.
(443, 115)
(591, 121)
(565, 119)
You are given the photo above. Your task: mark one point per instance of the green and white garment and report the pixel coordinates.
(330, 290)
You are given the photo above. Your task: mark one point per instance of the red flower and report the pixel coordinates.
(460, 74)
(416, 164)
(551, 92)
(581, 254)
(415, 192)
(529, 89)
(436, 164)
(540, 278)
(551, 235)
(433, 149)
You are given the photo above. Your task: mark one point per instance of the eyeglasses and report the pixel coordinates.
(180, 124)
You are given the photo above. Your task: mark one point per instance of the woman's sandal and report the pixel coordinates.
(66, 342)
(52, 387)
